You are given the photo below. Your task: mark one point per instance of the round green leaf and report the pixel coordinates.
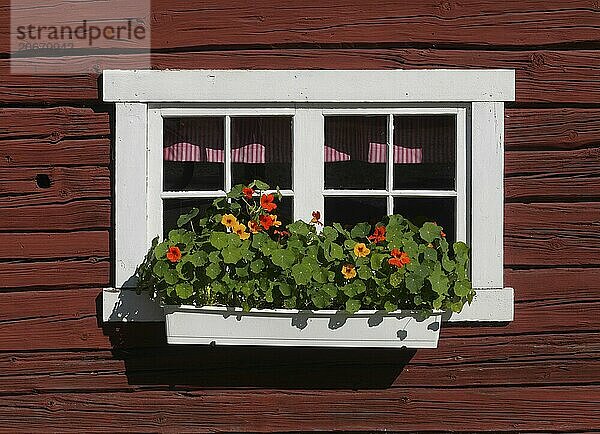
(219, 240)
(352, 306)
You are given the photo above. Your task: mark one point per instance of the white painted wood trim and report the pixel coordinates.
(130, 191)
(461, 177)
(308, 165)
(154, 203)
(360, 86)
(124, 305)
(487, 195)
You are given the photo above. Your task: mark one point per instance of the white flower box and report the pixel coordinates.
(289, 327)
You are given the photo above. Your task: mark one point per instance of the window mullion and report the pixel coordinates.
(390, 164)
(227, 153)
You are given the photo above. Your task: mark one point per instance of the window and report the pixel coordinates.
(356, 145)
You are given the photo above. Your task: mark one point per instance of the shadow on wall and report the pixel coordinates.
(149, 361)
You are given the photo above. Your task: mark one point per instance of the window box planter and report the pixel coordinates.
(290, 327)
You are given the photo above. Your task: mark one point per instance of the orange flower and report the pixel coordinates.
(442, 234)
(266, 221)
(266, 202)
(240, 229)
(361, 250)
(253, 226)
(349, 271)
(174, 254)
(248, 192)
(378, 235)
(229, 220)
(274, 220)
(316, 218)
(400, 259)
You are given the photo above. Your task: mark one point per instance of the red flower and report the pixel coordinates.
(395, 262)
(316, 218)
(174, 254)
(378, 235)
(266, 221)
(281, 233)
(442, 234)
(395, 253)
(248, 192)
(266, 202)
(400, 259)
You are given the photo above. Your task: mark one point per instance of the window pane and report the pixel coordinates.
(173, 208)
(429, 209)
(193, 151)
(424, 152)
(355, 152)
(261, 148)
(351, 210)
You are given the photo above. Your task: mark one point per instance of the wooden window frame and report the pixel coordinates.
(477, 98)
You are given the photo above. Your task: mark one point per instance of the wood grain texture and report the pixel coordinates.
(546, 234)
(538, 72)
(93, 271)
(36, 152)
(44, 245)
(86, 214)
(52, 124)
(511, 408)
(552, 176)
(60, 185)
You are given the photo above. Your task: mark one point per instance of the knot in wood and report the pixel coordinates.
(537, 60)
(572, 135)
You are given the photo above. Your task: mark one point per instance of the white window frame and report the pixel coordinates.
(477, 98)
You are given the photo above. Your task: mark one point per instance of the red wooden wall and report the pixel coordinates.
(60, 369)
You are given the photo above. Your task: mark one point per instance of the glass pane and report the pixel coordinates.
(351, 210)
(426, 209)
(193, 151)
(285, 211)
(355, 152)
(424, 152)
(261, 148)
(173, 208)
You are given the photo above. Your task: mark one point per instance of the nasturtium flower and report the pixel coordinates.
(266, 202)
(316, 218)
(174, 254)
(399, 259)
(274, 220)
(442, 234)
(248, 192)
(240, 229)
(349, 271)
(396, 262)
(253, 226)
(229, 220)
(378, 235)
(361, 250)
(266, 221)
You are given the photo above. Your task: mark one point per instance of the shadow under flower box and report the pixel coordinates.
(288, 327)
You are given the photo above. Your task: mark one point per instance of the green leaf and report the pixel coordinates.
(439, 282)
(321, 275)
(430, 254)
(290, 303)
(257, 266)
(389, 306)
(377, 259)
(184, 219)
(338, 227)
(236, 191)
(185, 270)
(283, 258)
(213, 270)
(352, 305)
(462, 288)
(302, 273)
(299, 228)
(214, 257)
(430, 231)
(321, 299)
(285, 289)
(171, 276)
(160, 251)
(184, 290)
(159, 268)
(261, 185)
(329, 233)
(231, 255)
(354, 288)
(364, 272)
(242, 271)
(336, 251)
(219, 240)
(447, 263)
(259, 240)
(330, 289)
(437, 303)
(360, 230)
(396, 278)
(413, 282)
(197, 258)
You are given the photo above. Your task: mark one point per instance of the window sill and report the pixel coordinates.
(124, 305)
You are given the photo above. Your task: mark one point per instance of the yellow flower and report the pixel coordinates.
(253, 226)
(229, 220)
(361, 250)
(240, 229)
(274, 220)
(349, 271)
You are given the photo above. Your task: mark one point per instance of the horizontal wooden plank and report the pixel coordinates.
(86, 214)
(552, 175)
(539, 73)
(401, 409)
(42, 245)
(52, 185)
(68, 273)
(53, 123)
(456, 363)
(43, 152)
(554, 284)
(547, 234)
(564, 128)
